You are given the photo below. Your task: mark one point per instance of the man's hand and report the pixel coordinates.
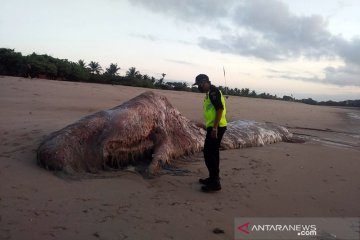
(214, 133)
(200, 125)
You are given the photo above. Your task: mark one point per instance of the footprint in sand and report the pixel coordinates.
(60, 228)
(162, 221)
(237, 169)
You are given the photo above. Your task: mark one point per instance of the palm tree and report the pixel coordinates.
(160, 82)
(133, 73)
(163, 76)
(95, 67)
(252, 94)
(146, 77)
(112, 69)
(245, 92)
(82, 63)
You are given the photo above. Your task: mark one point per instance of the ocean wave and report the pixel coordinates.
(354, 115)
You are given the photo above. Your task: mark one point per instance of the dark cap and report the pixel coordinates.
(201, 78)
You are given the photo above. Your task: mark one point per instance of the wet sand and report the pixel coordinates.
(319, 178)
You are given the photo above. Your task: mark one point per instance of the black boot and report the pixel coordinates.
(212, 186)
(204, 181)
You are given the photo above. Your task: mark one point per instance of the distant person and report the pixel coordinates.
(215, 125)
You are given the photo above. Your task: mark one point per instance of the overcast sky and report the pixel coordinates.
(283, 47)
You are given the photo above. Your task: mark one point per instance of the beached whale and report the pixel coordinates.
(146, 128)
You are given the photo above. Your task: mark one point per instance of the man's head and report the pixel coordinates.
(203, 82)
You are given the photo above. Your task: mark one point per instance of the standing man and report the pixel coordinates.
(215, 123)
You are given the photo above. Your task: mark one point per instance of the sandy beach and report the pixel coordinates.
(318, 178)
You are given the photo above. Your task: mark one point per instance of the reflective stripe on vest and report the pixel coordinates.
(210, 112)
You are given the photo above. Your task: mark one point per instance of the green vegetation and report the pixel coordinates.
(44, 66)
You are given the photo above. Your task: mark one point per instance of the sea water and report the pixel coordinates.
(354, 115)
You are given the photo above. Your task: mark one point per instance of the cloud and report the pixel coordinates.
(268, 30)
(348, 50)
(187, 10)
(264, 29)
(249, 44)
(148, 37)
(180, 62)
(271, 32)
(348, 75)
(294, 76)
(153, 38)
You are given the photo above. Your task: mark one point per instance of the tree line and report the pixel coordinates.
(47, 67)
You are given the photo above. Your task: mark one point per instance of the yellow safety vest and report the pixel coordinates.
(210, 112)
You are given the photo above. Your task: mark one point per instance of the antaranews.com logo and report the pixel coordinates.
(300, 230)
(296, 228)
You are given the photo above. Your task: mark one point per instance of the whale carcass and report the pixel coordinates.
(146, 127)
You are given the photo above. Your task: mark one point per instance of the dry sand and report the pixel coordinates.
(319, 178)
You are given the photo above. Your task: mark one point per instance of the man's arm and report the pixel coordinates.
(218, 117)
(215, 98)
(216, 123)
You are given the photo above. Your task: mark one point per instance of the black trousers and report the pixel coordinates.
(212, 152)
